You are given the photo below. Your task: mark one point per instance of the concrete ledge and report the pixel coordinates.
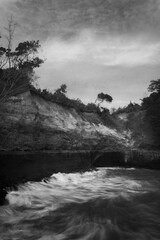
(143, 159)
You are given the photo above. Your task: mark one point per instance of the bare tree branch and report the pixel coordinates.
(10, 34)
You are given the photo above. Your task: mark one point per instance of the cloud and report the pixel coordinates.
(66, 18)
(7, 1)
(6, 11)
(131, 54)
(112, 51)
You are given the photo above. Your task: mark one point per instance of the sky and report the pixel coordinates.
(93, 46)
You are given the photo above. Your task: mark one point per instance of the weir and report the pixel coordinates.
(20, 167)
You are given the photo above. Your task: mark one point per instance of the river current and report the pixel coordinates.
(104, 204)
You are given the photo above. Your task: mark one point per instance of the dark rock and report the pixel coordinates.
(20, 167)
(109, 159)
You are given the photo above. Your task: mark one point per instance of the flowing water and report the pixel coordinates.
(107, 203)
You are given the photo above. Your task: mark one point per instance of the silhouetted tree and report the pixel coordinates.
(151, 105)
(62, 89)
(24, 55)
(154, 86)
(59, 94)
(17, 67)
(103, 97)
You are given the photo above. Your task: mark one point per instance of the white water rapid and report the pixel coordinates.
(105, 204)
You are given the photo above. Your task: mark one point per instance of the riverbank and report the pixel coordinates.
(20, 167)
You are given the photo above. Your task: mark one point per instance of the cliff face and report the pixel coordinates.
(29, 122)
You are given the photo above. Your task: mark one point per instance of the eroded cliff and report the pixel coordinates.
(28, 122)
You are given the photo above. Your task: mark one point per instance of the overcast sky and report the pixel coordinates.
(92, 46)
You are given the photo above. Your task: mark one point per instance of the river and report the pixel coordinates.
(103, 204)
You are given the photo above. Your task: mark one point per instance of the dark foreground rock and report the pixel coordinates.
(20, 167)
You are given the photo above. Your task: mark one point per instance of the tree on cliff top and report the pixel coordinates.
(61, 89)
(154, 86)
(17, 67)
(151, 105)
(103, 97)
(24, 55)
(60, 93)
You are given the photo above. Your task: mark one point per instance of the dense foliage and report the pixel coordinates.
(17, 67)
(59, 96)
(151, 105)
(154, 86)
(13, 82)
(131, 107)
(149, 115)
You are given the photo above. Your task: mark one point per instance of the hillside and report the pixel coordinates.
(28, 122)
(139, 124)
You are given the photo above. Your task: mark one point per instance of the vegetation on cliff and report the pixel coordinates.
(17, 75)
(151, 105)
(17, 65)
(144, 119)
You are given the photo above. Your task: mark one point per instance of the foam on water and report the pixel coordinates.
(109, 203)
